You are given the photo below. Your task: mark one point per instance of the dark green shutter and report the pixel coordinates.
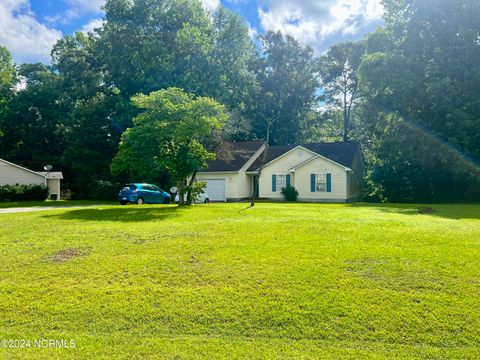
(312, 182)
(288, 180)
(329, 182)
(274, 183)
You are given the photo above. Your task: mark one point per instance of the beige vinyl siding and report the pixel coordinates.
(54, 187)
(10, 174)
(237, 185)
(281, 166)
(319, 165)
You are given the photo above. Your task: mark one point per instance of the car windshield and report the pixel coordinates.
(131, 186)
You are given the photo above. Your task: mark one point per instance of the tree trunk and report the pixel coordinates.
(189, 193)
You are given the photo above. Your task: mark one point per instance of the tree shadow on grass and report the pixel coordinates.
(121, 214)
(447, 211)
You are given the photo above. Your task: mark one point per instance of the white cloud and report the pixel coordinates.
(317, 23)
(91, 25)
(211, 5)
(26, 38)
(86, 6)
(75, 10)
(252, 32)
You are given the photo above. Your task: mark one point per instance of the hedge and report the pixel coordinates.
(23, 192)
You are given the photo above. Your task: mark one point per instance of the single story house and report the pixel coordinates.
(324, 172)
(11, 174)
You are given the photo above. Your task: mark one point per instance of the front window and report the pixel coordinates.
(281, 181)
(320, 182)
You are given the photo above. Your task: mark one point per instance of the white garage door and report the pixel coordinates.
(215, 189)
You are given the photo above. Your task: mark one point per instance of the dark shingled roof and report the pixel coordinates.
(233, 156)
(340, 152)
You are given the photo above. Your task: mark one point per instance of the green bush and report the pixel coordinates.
(23, 192)
(104, 190)
(290, 193)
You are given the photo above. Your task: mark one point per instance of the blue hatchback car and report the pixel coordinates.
(143, 194)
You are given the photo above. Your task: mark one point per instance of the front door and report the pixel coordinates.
(255, 186)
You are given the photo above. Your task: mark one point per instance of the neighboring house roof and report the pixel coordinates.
(48, 175)
(233, 156)
(52, 174)
(342, 153)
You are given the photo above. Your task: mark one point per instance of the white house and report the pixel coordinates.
(11, 174)
(324, 172)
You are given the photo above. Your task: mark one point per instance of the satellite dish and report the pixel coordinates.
(48, 167)
(174, 190)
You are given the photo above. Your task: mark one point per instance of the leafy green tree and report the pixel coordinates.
(7, 80)
(171, 132)
(145, 45)
(74, 59)
(31, 126)
(95, 114)
(287, 82)
(421, 114)
(339, 73)
(232, 55)
(7, 69)
(91, 143)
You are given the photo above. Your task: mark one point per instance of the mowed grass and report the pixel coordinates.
(222, 281)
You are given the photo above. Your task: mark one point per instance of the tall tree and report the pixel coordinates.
(420, 73)
(95, 117)
(7, 79)
(144, 44)
(31, 126)
(232, 55)
(287, 82)
(7, 69)
(339, 73)
(171, 132)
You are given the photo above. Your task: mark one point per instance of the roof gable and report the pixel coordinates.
(318, 157)
(341, 153)
(22, 168)
(289, 152)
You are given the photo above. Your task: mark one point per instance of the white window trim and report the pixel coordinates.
(317, 182)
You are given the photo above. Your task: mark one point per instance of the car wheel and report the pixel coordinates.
(123, 203)
(140, 201)
(206, 201)
(166, 201)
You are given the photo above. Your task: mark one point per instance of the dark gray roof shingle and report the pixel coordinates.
(233, 156)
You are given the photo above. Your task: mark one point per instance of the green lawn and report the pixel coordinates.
(222, 281)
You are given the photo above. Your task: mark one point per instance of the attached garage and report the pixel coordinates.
(215, 189)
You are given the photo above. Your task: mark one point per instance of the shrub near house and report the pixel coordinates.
(17, 192)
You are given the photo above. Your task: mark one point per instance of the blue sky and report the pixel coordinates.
(29, 28)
